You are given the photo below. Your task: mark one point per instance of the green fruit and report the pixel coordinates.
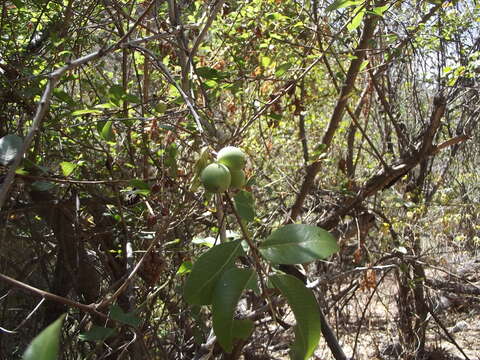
(238, 179)
(215, 178)
(232, 157)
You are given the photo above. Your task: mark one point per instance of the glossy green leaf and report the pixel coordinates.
(357, 20)
(85, 112)
(139, 184)
(298, 244)
(97, 333)
(107, 131)
(131, 318)
(67, 167)
(244, 204)
(225, 299)
(10, 147)
(207, 270)
(305, 308)
(46, 345)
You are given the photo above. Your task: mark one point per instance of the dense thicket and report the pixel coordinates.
(360, 117)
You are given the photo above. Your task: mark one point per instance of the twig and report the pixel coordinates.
(47, 295)
(447, 333)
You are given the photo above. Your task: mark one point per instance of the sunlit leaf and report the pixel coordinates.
(356, 21)
(107, 131)
(67, 168)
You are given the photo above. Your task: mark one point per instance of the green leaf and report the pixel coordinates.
(106, 106)
(211, 73)
(97, 333)
(139, 184)
(131, 318)
(305, 308)
(207, 270)
(340, 4)
(86, 111)
(46, 345)
(107, 131)
(63, 96)
(185, 268)
(225, 299)
(116, 94)
(298, 244)
(282, 69)
(242, 329)
(265, 61)
(10, 147)
(356, 21)
(244, 204)
(42, 185)
(67, 168)
(207, 73)
(379, 10)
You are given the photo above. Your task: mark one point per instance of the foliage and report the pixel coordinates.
(359, 124)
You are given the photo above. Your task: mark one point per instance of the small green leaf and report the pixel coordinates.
(139, 184)
(340, 4)
(211, 73)
(282, 69)
(185, 268)
(86, 111)
(207, 270)
(97, 333)
(305, 308)
(106, 106)
(67, 168)
(107, 131)
(265, 61)
(207, 73)
(131, 318)
(46, 345)
(10, 147)
(363, 65)
(379, 10)
(63, 96)
(225, 299)
(116, 94)
(244, 204)
(298, 244)
(356, 21)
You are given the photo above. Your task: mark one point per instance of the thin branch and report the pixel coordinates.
(49, 296)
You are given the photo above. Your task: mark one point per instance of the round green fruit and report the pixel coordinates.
(232, 157)
(238, 179)
(215, 178)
